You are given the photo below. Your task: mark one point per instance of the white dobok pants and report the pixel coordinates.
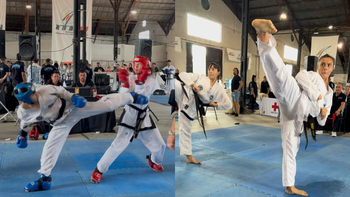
(59, 132)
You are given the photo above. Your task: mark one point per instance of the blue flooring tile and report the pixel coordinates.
(129, 175)
(246, 160)
(162, 99)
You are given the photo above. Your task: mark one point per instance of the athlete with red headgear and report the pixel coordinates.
(135, 121)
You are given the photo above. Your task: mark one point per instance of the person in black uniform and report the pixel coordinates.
(47, 71)
(55, 79)
(4, 71)
(265, 88)
(18, 72)
(83, 81)
(253, 92)
(88, 72)
(98, 67)
(337, 106)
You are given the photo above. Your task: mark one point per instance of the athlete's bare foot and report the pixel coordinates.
(263, 25)
(293, 190)
(190, 159)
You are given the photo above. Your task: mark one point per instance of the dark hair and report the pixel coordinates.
(82, 71)
(237, 70)
(253, 77)
(214, 66)
(65, 64)
(3, 59)
(170, 61)
(35, 60)
(327, 56)
(54, 72)
(19, 56)
(48, 60)
(154, 63)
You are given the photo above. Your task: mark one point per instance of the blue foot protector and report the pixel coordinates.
(44, 183)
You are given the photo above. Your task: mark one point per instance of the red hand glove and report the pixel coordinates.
(142, 77)
(123, 77)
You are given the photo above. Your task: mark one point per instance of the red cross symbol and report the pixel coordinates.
(274, 106)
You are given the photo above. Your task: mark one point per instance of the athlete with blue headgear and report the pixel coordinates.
(62, 109)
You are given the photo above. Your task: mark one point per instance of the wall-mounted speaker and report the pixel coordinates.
(27, 47)
(310, 63)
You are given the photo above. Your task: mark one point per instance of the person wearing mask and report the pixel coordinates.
(253, 92)
(34, 65)
(4, 71)
(83, 82)
(47, 71)
(17, 72)
(55, 79)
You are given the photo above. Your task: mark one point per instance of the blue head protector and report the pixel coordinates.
(23, 91)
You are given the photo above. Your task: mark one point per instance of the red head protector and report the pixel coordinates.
(143, 60)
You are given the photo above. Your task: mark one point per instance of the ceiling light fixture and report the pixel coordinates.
(28, 6)
(133, 12)
(144, 23)
(340, 45)
(316, 32)
(330, 27)
(283, 16)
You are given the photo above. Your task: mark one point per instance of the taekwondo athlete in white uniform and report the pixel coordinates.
(134, 121)
(298, 97)
(169, 71)
(55, 105)
(209, 92)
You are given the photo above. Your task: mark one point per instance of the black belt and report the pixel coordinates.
(139, 121)
(200, 109)
(309, 124)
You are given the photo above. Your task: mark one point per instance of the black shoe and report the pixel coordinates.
(233, 113)
(236, 115)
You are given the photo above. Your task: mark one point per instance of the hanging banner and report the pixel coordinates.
(2, 14)
(234, 55)
(62, 30)
(322, 45)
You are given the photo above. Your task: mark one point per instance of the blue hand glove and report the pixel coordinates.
(166, 71)
(21, 143)
(139, 99)
(78, 101)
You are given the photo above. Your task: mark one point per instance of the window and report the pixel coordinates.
(203, 28)
(144, 35)
(199, 54)
(290, 53)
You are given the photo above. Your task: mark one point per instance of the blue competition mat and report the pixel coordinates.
(246, 160)
(129, 175)
(161, 99)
